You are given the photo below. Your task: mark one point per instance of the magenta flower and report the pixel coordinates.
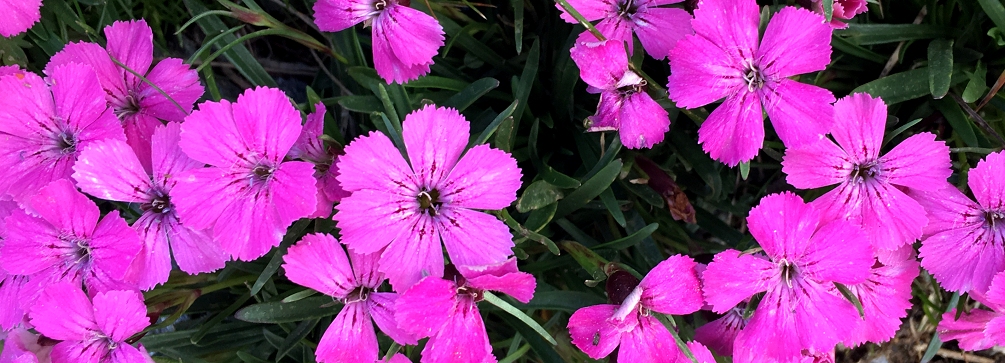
(723, 59)
(867, 191)
(111, 170)
(979, 329)
(841, 10)
(318, 262)
(404, 39)
(9, 70)
(312, 148)
(445, 310)
(672, 287)
(700, 352)
(91, 331)
(410, 209)
(62, 239)
(658, 28)
(720, 334)
(138, 104)
(624, 104)
(44, 128)
(21, 346)
(964, 242)
(249, 194)
(805, 256)
(19, 15)
(885, 297)
(11, 297)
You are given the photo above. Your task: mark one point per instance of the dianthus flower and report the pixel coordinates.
(91, 331)
(658, 28)
(885, 296)
(139, 105)
(410, 208)
(11, 298)
(43, 127)
(249, 194)
(312, 148)
(978, 329)
(445, 310)
(867, 191)
(841, 10)
(964, 242)
(21, 346)
(672, 287)
(805, 256)
(62, 239)
(19, 15)
(723, 59)
(720, 334)
(404, 39)
(624, 104)
(110, 170)
(319, 262)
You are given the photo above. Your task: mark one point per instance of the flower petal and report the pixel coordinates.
(956, 230)
(968, 331)
(592, 332)
(132, 44)
(590, 9)
(319, 262)
(888, 216)
(337, 15)
(732, 278)
(472, 237)
(168, 159)
(602, 65)
(350, 338)
(195, 251)
(859, 123)
(839, 251)
(987, 183)
(503, 277)
(177, 80)
(782, 225)
(210, 135)
(434, 139)
(703, 72)
(412, 255)
(739, 40)
(120, 314)
(920, 162)
(886, 299)
(63, 312)
(424, 308)
(108, 169)
(643, 122)
(269, 125)
(672, 287)
(461, 339)
(114, 245)
(20, 16)
(648, 342)
(79, 352)
(734, 132)
(414, 36)
(659, 29)
(370, 220)
(796, 41)
(394, 176)
(800, 113)
(382, 305)
(152, 266)
(816, 165)
(109, 74)
(484, 178)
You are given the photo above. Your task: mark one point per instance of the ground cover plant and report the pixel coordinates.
(512, 181)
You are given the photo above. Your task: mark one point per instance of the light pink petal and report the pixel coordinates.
(821, 309)
(649, 342)
(26, 253)
(120, 314)
(20, 16)
(701, 353)
(996, 293)
(839, 251)
(801, 113)
(364, 268)
(739, 40)
(397, 358)
(62, 206)
(608, 113)
(434, 138)
(80, 102)
(796, 41)
(389, 67)
(643, 122)
(590, 9)
(350, 338)
(782, 225)
(720, 334)
(920, 162)
(168, 159)
(210, 135)
(268, 123)
(734, 132)
(80, 352)
(503, 277)
(659, 29)
(968, 331)
(414, 254)
(309, 146)
(139, 130)
(93, 55)
(108, 169)
(358, 171)
(888, 216)
(177, 80)
(672, 287)
(201, 196)
(114, 245)
(382, 305)
(336, 15)
(194, 251)
(703, 72)
(484, 178)
(995, 330)
(294, 193)
(132, 44)
(125, 353)
(462, 339)
(11, 300)
(152, 266)
(592, 332)
(602, 65)
(859, 123)
(816, 165)
(473, 238)
(370, 220)
(732, 278)
(987, 182)
(63, 312)
(414, 37)
(319, 262)
(886, 299)
(424, 308)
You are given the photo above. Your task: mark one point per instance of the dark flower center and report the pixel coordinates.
(994, 217)
(788, 272)
(359, 294)
(380, 5)
(262, 173)
(129, 106)
(633, 88)
(160, 204)
(864, 171)
(627, 9)
(66, 142)
(619, 285)
(754, 77)
(429, 202)
(81, 250)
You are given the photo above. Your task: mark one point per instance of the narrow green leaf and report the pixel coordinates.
(612, 205)
(279, 312)
(494, 125)
(977, 85)
(904, 86)
(471, 93)
(958, 120)
(517, 24)
(940, 67)
(868, 34)
(292, 234)
(745, 167)
(522, 231)
(558, 179)
(516, 313)
(843, 45)
(390, 111)
(828, 10)
(933, 347)
(505, 134)
(218, 318)
(892, 134)
(522, 88)
(538, 195)
(562, 300)
(299, 296)
(995, 11)
(238, 55)
(589, 190)
(438, 83)
(541, 217)
(589, 260)
(298, 334)
(248, 358)
(631, 239)
(851, 298)
(687, 148)
(544, 349)
(393, 132)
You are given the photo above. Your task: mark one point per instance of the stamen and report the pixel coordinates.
(429, 202)
(753, 76)
(788, 272)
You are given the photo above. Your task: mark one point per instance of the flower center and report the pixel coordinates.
(865, 171)
(128, 107)
(627, 9)
(994, 217)
(429, 202)
(380, 5)
(753, 75)
(628, 306)
(80, 249)
(359, 294)
(66, 142)
(262, 173)
(160, 204)
(788, 271)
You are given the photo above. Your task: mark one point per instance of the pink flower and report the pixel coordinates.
(672, 287)
(312, 148)
(138, 104)
(44, 127)
(318, 262)
(249, 194)
(723, 59)
(404, 39)
(410, 209)
(805, 256)
(21, 346)
(91, 331)
(885, 297)
(700, 352)
(11, 298)
(979, 329)
(624, 104)
(867, 191)
(719, 334)
(964, 242)
(658, 28)
(110, 170)
(19, 15)
(841, 10)
(62, 239)
(445, 310)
